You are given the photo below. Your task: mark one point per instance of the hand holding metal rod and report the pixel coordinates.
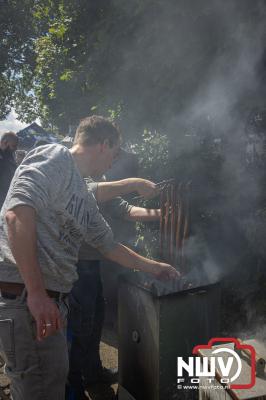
(160, 186)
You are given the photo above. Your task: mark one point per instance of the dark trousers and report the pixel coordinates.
(85, 324)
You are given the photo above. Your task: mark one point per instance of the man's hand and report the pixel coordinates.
(21, 226)
(165, 272)
(147, 189)
(46, 314)
(128, 258)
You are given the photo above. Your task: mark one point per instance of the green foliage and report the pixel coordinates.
(16, 49)
(115, 114)
(153, 153)
(6, 90)
(107, 54)
(152, 149)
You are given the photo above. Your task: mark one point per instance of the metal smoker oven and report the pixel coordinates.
(155, 329)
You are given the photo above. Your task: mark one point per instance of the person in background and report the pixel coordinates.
(8, 147)
(87, 307)
(126, 165)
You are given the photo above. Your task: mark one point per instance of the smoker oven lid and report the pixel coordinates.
(191, 282)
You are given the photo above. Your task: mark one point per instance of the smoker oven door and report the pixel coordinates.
(154, 331)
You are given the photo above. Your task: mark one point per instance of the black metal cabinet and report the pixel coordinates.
(154, 330)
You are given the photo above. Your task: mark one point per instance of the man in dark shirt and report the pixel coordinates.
(8, 146)
(87, 306)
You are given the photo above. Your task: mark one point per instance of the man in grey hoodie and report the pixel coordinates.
(47, 213)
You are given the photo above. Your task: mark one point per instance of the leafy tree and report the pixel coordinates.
(69, 58)
(16, 49)
(150, 58)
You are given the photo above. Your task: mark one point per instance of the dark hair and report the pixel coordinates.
(97, 129)
(9, 137)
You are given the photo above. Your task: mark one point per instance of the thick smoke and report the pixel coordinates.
(201, 60)
(213, 55)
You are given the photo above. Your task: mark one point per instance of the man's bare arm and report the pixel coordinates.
(108, 190)
(21, 223)
(129, 259)
(143, 214)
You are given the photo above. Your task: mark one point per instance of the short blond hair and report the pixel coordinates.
(96, 129)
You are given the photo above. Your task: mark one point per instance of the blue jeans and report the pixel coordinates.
(85, 324)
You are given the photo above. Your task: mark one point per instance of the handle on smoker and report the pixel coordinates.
(135, 336)
(199, 292)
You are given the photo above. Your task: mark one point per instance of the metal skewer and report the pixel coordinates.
(175, 223)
